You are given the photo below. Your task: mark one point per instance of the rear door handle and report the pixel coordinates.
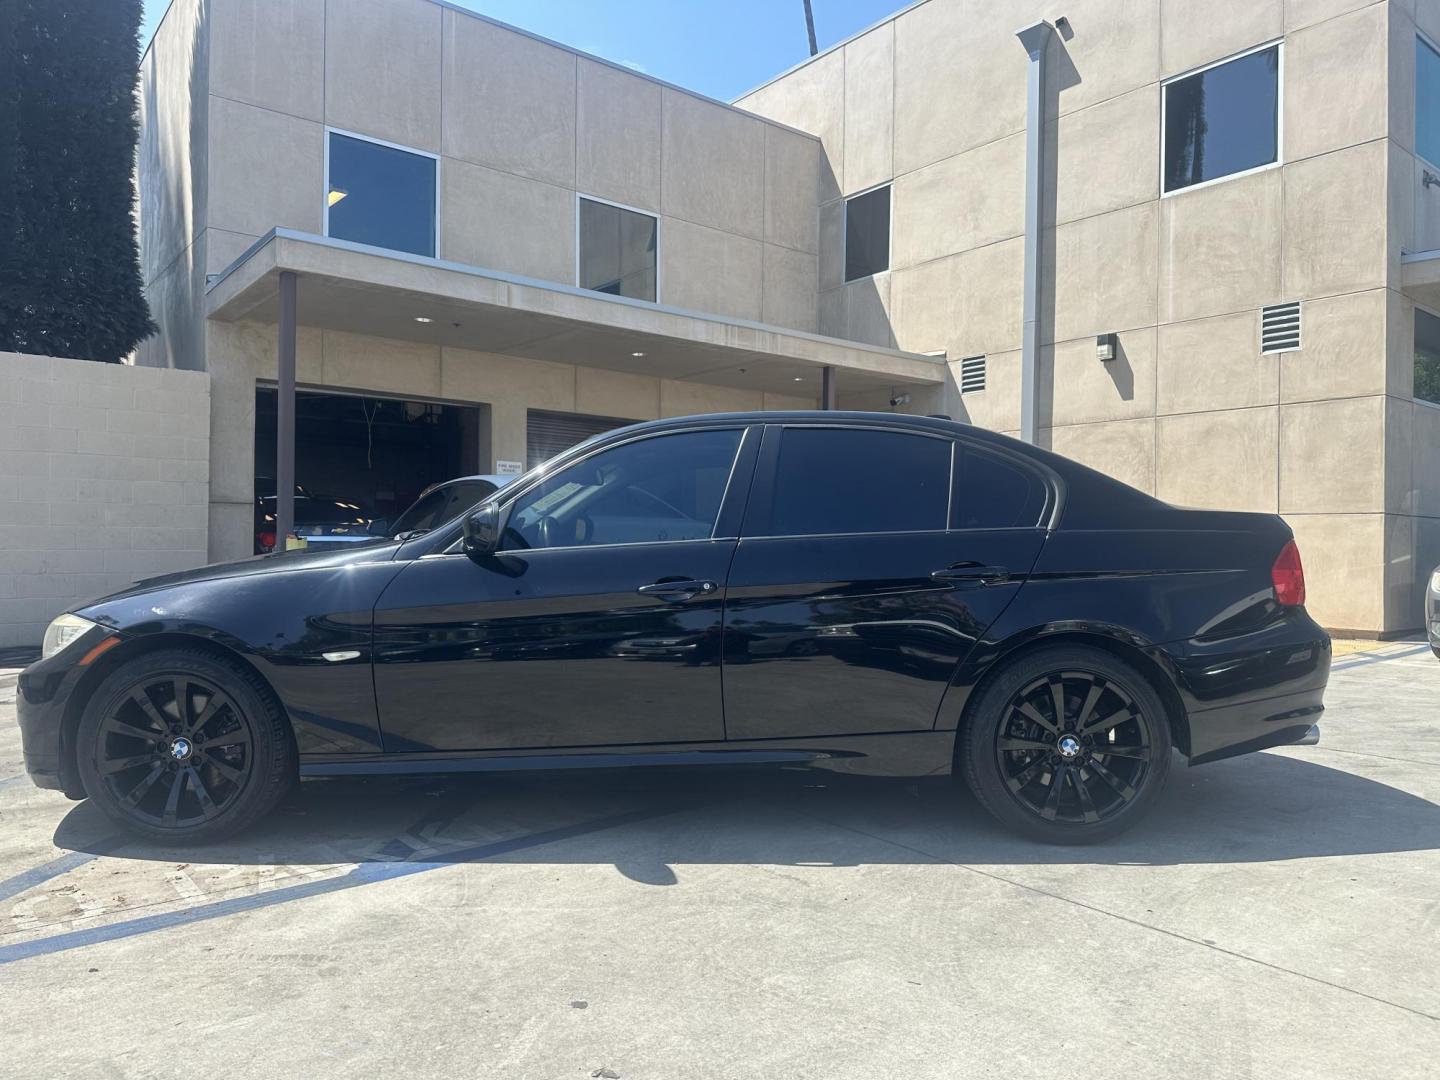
(677, 592)
(972, 574)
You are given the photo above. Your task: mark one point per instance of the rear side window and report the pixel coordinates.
(993, 493)
(842, 480)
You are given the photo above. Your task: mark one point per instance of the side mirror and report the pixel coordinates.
(482, 531)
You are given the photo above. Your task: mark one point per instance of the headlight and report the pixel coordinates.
(1435, 582)
(62, 632)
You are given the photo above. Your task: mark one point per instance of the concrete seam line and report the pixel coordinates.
(1128, 919)
(364, 874)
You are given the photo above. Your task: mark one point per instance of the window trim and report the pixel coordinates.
(1273, 43)
(1434, 47)
(325, 185)
(845, 233)
(581, 196)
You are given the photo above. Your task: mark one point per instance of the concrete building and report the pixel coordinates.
(515, 243)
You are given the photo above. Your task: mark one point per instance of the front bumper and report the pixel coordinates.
(42, 700)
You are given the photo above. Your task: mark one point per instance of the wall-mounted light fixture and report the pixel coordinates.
(1105, 347)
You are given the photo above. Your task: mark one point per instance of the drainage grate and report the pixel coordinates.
(972, 374)
(1280, 327)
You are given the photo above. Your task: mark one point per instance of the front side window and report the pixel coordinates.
(867, 233)
(1427, 357)
(1223, 120)
(617, 250)
(380, 195)
(1427, 101)
(847, 480)
(650, 491)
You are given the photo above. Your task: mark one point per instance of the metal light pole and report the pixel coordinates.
(285, 414)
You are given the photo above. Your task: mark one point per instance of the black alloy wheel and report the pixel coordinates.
(179, 745)
(175, 751)
(1068, 745)
(1074, 747)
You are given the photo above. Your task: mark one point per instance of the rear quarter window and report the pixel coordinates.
(992, 492)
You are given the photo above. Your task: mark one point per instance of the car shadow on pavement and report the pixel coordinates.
(1260, 808)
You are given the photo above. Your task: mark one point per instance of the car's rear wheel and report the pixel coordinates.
(183, 747)
(1068, 745)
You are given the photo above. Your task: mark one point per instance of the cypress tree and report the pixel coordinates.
(69, 262)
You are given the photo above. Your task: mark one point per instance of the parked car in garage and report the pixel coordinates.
(967, 603)
(322, 521)
(439, 503)
(1432, 612)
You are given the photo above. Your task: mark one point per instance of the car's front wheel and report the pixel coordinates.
(1068, 745)
(183, 747)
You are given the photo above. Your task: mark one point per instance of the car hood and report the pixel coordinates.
(379, 550)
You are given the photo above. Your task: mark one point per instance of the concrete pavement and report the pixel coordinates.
(1277, 916)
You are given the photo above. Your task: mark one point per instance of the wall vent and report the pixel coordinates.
(972, 374)
(1280, 327)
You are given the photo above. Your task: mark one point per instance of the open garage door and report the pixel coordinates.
(549, 433)
(359, 459)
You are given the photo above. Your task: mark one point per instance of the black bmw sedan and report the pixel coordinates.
(867, 593)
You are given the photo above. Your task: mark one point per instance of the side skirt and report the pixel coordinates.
(918, 753)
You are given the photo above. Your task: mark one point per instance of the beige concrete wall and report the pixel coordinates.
(103, 480)
(244, 353)
(934, 101)
(241, 93)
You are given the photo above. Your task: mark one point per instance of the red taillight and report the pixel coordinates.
(1288, 576)
(266, 540)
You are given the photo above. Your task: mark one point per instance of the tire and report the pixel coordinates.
(186, 778)
(1109, 771)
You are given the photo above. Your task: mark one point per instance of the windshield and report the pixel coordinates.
(440, 504)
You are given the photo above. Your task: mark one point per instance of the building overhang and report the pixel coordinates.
(1420, 277)
(366, 290)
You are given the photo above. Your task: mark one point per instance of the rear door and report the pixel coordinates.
(871, 561)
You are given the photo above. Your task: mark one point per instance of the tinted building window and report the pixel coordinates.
(648, 491)
(836, 480)
(381, 195)
(1427, 102)
(1427, 357)
(1223, 121)
(992, 493)
(617, 250)
(867, 234)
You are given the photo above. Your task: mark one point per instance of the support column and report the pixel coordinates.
(285, 414)
(827, 388)
(1035, 38)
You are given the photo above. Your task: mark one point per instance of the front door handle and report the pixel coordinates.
(972, 574)
(677, 592)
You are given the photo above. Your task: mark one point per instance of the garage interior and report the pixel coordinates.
(379, 453)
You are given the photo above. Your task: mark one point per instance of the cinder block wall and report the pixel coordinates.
(104, 479)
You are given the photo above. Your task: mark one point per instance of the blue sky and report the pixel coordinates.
(719, 47)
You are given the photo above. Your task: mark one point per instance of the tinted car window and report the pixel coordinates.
(665, 488)
(441, 504)
(844, 480)
(993, 493)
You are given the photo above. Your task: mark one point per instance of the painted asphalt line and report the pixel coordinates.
(1362, 659)
(63, 864)
(364, 874)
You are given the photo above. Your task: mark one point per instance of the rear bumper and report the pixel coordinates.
(1216, 734)
(1251, 691)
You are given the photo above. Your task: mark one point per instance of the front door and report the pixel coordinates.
(864, 575)
(598, 622)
